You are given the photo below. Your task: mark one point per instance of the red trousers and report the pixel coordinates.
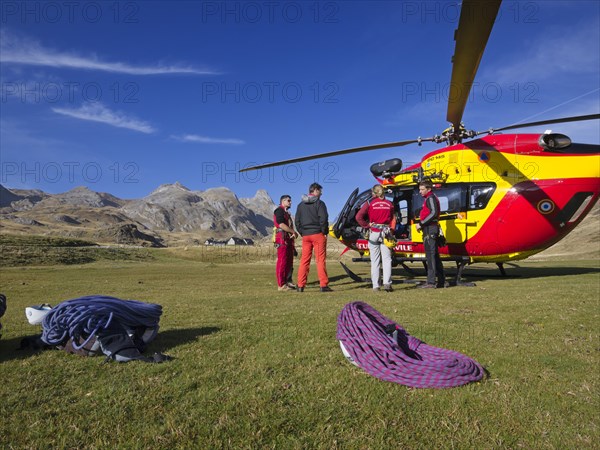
(285, 260)
(318, 242)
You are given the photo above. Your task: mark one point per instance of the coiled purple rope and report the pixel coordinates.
(401, 358)
(83, 317)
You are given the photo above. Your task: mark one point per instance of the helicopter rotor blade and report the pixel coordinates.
(338, 153)
(477, 18)
(542, 122)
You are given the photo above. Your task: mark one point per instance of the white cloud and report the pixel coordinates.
(97, 112)
(207, 140)
(551, 55)
(28, 52)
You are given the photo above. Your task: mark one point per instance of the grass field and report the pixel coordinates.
(256, 368)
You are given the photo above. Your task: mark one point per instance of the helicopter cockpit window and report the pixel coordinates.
(480, 194)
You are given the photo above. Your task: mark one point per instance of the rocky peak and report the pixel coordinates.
(261, 203)
(170, 188)
(262, 196)
(7, 197)
(83, 196)
(20, 199)
(173, 207)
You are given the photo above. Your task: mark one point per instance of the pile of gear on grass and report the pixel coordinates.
(122, 329)
(96, 325)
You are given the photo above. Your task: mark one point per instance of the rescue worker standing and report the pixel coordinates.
(377, 215)
(284, 241)
(312, 222)
(429, 224)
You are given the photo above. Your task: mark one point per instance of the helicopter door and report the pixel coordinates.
(346, 227)
(453, 202)
(343, 216)
(402, 207)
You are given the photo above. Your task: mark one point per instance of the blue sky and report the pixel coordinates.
(124, 96)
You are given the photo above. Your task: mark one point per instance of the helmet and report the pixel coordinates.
(35, 314)
(347, 355)
(389, 241)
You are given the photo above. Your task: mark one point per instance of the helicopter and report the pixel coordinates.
(503, 197)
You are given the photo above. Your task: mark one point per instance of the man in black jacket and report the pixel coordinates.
(312, 222)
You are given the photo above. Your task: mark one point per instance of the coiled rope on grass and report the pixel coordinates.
(385, 350)
(83, 317)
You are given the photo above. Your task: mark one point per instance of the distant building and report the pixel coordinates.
(236, 241)
(215, 242)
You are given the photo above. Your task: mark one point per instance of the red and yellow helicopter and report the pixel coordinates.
(504, 197)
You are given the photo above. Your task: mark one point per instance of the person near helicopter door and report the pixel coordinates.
(312, 222)
(377, 215)
(429, 224)
(284, 241)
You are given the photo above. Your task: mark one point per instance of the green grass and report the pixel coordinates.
(46, 251)
(255, 368)
(42, 241)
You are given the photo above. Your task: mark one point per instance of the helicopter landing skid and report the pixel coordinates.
(360, 279)
(502, 274)
(461, 263)
(353, 276)
(460, 267)
(410, 270)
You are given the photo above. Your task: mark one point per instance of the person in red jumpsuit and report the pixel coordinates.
(284, 241)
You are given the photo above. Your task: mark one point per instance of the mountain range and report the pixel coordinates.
(174, 215)
(170, 215)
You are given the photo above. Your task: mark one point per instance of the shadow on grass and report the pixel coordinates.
(166, 340)
(526, 272)
(338, 278)
(332, 279)
(10, 349)
(489, 272)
